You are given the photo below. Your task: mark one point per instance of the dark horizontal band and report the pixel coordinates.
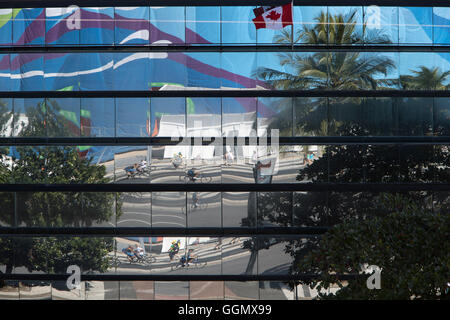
(128, 3)
(224, 48)
(189, 141)
(227, 187)
(154, 277)
(217, 93)
(298, 232)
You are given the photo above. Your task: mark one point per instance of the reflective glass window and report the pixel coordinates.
(203, 25)
(131, 25)
(381, 25)
(415, 25)
(57, 21)
(441, 24)
(167, 25)
(237, 25)
(6, 23)
(29, 26)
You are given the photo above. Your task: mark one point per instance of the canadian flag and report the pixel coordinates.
(274, 18)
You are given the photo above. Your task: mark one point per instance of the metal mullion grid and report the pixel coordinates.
(222, 48)
(145, 3)
(150, 277)
(217, 93)
(283, 141)
(229, 187)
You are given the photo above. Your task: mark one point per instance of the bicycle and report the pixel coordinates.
(145, 172)
(200, 207)
(195, 263)
(189, 179)
(145, 260)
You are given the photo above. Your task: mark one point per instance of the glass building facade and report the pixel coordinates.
(290, 131)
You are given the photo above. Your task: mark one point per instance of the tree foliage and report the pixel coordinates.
(54, 165)
(410, 246)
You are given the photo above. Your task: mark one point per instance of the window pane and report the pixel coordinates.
(134, 210)
(33, 290)
(96, 71)
(168, 117)
(203, 117)
(29, 117)
(415, 116)
(10, 290)
(275, 114)
(424, 71)
(442, 116)
(133, 255)
(6, 117)
(203, 69)
(274, 209)
(310, 25)
(310, 116)
(345, 25)
(169, 209)
(238, 70)
(131, 164)
(417, 163)
(61, 292)
(240, 290)
(97, 117)
(137, 290)
(274, 255)
(27, 72)
(206, 290)
(56, 22)
(62, 71)
(168, 252)
(382, 163)
(132, 25)
(171, 290)
(132, 117)
(168, 71)
(275, 290)
(239, 209)
(203, 25)
(30, 164)
(102, 290)
(167, 25)
(381, 25)
(132, 70)
(310, 208)
(168, 164)
(441, 22)
(29, 26)
(7, 213)
(244, 257)
(204, 209)
(6, 22)
(346, 163)
(97, 26)
(379, 117)
(63, 117)
(203, 256)
(6, 80)
(315, 163)
(237, 25)
(415, 25)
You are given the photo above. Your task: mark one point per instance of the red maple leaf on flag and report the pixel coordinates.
(274, 16)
